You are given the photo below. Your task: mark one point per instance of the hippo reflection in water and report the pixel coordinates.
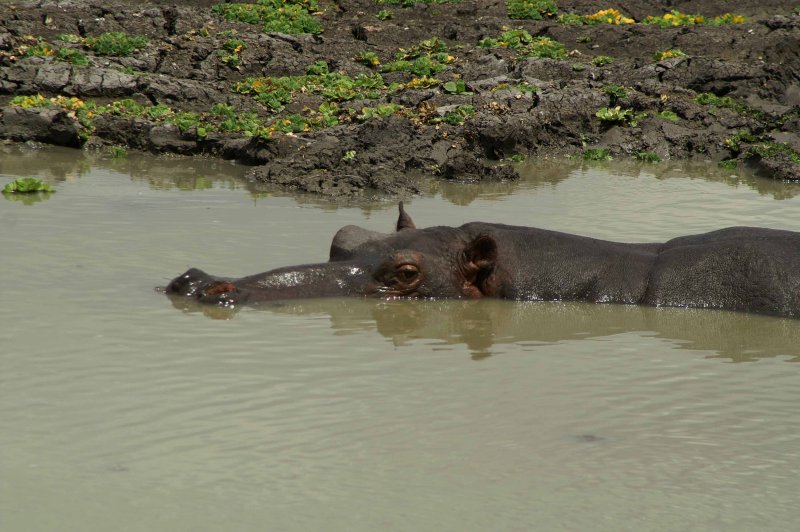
(740, 268)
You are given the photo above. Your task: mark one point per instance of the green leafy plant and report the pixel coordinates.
(383, 110)
(369, 59)
(531, 9)
(647, 157)
(669, 54)
(384, 14)
(729, 164)
(40, 49)
(619, 115)
(118, 152)
(412, 3)
(517, 158)
(668, 115)
(422, 82)
(70, 38)
(602, 60)
(676, 18)
(275, 92)
(526, 45)
(231, 52)
(597, 154)
(727, 18)
(71, 55)
(115, 43)
(605, 16)
(349, 155)
(457, 116)
(281, 16)
(734, 142)
(616, 92)
(708, 98)
(427, 58)
(456, 87)
(223, 109)
(27, 185)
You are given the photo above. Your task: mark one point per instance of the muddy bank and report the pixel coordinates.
(370, 96)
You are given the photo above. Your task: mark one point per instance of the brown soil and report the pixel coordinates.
(756, 63)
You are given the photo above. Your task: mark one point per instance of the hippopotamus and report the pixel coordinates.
(747, 269)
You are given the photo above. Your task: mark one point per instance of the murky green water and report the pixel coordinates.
(121, 412)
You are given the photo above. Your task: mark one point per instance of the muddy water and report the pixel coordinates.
(121, 412)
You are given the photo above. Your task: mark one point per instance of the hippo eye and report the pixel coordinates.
(407, 273)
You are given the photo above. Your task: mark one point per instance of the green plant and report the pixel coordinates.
(605, 16)
(729, 164)
(526, 45)
(281, 16)
(727, 18)
(118, 152)
(734, 143)
(614, 114)
(159, 111)
(71, 55)
(223, 109)
(411, 3)
(602, 60)
(383, 110)
(647, 157)
(707, 98)
(384, 14)
(676, 18)
(318, 68)
(349, 155)
(184, 120)
(231, 52)
(456, 87)
(275, 92)
(669, 54)
(517, 158)
(457, 116)
(616, 92)
(115, 43)
(597, 154)
(771, 149)
(369, 59)
(531, 9)
(422, 82)
(668, 115)
(40, 49)
(584, 39)
(70, 38)
(619, 115)
(27, 185)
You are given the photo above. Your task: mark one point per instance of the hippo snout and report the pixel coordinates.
(205, 288)
(189, 283)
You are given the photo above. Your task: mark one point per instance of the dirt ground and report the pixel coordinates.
(732, 94)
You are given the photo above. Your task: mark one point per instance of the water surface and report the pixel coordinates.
(122, 412)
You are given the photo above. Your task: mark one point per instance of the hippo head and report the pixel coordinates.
(436, 262)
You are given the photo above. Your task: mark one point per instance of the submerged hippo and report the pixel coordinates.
(740, 268)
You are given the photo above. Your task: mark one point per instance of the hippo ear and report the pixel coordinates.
(480, 258)
(404, 221)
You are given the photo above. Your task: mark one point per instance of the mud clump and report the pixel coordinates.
(354, 96)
